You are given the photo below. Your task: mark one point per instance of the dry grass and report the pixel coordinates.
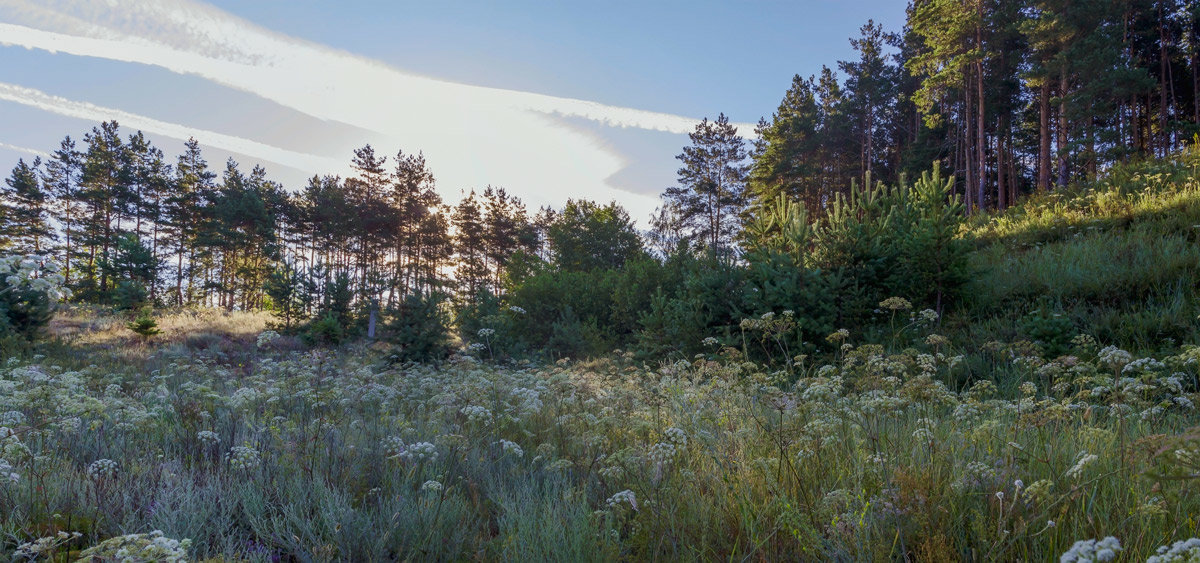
(196, 330)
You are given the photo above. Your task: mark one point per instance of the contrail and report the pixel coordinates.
(26, 150)
(83, 110)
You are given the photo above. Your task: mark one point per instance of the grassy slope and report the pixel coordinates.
(1119, 258)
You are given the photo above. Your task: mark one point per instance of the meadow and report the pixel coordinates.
(218, 442)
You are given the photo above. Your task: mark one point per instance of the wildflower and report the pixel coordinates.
(625, 496)
(477, 414)
(511, 448)
(432, 486)
(1084, 460)
(102, 469)
(936, 340)
(710, 341)
(244, 458)
(676, 436)
(1115, 358)
(7, 475)
(895, 304)
(1000, 495)
(208, 437)
(266, 337)
(838, 335)
(420, 451)
(486, 332)
(153, 546)
(1182, 551)
(1092, 550)
(516, 309)
(1028, 389)
(929, 316)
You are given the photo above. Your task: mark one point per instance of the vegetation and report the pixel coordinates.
(943, 309)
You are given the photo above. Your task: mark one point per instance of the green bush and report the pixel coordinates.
(419, 329)
(325, 330)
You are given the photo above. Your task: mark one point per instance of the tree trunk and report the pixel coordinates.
(1062, 131)
(1044, 137)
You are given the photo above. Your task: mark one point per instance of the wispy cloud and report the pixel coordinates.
(25, 150)
(471, 134)
(82, 110)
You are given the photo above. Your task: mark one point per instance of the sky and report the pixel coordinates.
(548, 99)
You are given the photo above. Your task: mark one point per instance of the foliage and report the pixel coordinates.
(144, 324)
(419, 329)
(338, 455)
(325, 330)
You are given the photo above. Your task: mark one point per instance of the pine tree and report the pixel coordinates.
(786, 152)
(61, 178)
(711, 194)
(27, 223)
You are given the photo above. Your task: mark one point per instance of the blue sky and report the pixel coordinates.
(549, 99)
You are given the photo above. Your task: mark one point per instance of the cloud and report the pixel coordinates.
(471, 135)
(82, 110)
(25, 150)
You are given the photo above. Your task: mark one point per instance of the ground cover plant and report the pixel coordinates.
(258, 451)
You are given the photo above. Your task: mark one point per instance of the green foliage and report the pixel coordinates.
(586, 236)
(144, 323)
(1049, 329)
(131, 268)
(286, 288)
(24, 311)
(419, 329)
(325, 330)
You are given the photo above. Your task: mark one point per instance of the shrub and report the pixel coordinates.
(419, 329)
(325, 330)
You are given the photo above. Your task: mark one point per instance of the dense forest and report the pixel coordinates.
(1008, 98)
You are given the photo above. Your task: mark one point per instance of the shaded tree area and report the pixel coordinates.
(1011, 97)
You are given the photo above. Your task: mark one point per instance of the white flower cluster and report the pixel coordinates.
(266, 337)
(34, 272)
(153, 546)
(530, 399)
(102, 469)
(486, 332)
(1143, 365)
(1089, 551)
(244, 458)
(511, 448)
(676, 436)
(623, 497)
(710, 341)
(1182, 551)
(7, 474)
(208, 437)
(516, 309)
(1115, 358)
(432, 486)
(45, 546)
(477, 415)
(1084, 460)
(420, 451)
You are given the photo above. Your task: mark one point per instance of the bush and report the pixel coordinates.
(419, 329)
(29, 291)
(325, 330)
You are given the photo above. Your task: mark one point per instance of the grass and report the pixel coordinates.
(1119, 257)
(872, 457)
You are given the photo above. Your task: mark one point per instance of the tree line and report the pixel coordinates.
(1001, 98)
(128, 225)
(1011, 96)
